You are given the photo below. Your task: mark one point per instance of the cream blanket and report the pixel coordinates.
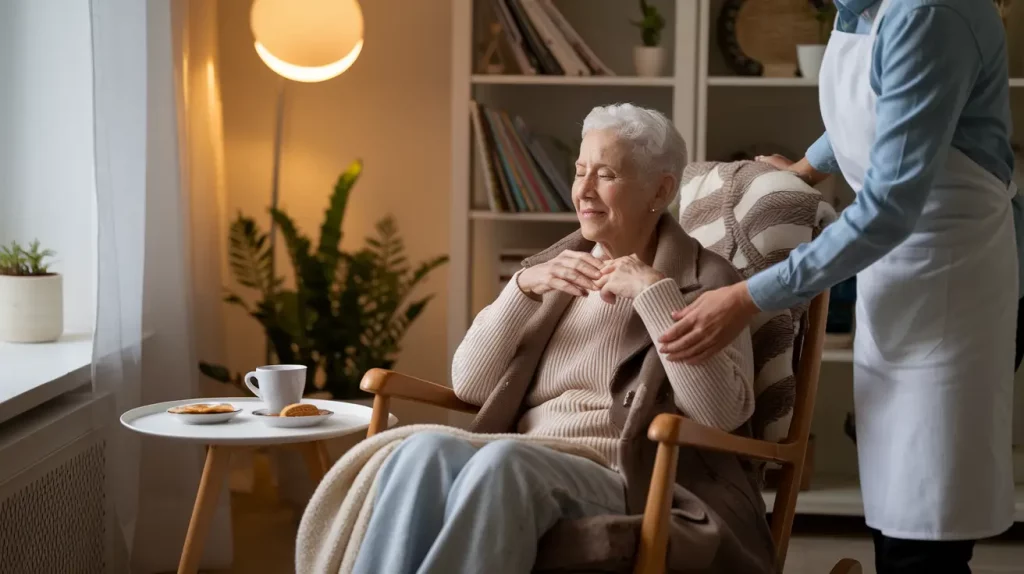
(335, 520)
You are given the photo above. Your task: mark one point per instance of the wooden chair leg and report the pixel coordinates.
(379, 419)
(654, 529)
(218, 460)
(847, 566)
(317, 461)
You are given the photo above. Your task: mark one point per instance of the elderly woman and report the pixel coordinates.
(566, 353)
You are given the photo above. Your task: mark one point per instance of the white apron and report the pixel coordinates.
(933, 373)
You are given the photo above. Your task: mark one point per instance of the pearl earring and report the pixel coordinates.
(653, 210)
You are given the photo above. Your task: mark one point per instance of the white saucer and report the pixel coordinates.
(291, 422)
(205, 418)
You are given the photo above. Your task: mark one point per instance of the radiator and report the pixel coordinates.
(55, 515)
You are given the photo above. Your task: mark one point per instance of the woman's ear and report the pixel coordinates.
(666, 190)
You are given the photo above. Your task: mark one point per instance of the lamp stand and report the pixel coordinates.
(275, 178)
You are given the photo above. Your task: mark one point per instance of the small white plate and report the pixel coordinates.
(205, 418)
(291, 422)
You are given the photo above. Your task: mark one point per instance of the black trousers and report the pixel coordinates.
(896, 556)
(1020, 335)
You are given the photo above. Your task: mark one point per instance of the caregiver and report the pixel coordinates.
(915, 100)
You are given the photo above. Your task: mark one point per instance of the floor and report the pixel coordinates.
(263, 521)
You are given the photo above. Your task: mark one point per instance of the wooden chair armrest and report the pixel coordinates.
(671, 432)
(681, 431)
(391, 384)
(386, 384)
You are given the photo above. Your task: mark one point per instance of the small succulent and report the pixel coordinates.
(16, 260)
(651, 25)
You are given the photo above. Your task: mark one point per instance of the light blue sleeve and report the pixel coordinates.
(926, 63)
(821, 157)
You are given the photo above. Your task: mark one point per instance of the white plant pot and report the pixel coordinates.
(649, 61)
(31, 308)
(809, 57)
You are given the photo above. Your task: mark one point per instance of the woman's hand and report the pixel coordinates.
(708, 325)
(626, 277)
(572, 272)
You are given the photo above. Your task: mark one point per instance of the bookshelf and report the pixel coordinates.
(718, 114)
(555, 105)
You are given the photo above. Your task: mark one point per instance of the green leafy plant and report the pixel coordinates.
(825, 15)
(348, 311)
(16, 260)
(651, 25)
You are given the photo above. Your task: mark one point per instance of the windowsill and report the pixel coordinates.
(32, 374)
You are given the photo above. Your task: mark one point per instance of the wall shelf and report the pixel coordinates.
(760, 82)
(546, 80)
(840, 496)
(837, 356)
(567, 217)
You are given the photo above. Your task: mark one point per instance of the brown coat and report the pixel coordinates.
(718, 519)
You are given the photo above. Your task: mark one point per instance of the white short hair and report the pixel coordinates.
(658, 147)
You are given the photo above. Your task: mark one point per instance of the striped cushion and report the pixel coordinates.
(754, 215)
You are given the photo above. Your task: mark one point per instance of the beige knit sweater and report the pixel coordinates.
(571, 396)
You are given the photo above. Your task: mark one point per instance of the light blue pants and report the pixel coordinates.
(446, 507)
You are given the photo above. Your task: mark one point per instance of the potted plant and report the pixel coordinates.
(649, 58)
(31, 297)
(810, 56)
(347, 312)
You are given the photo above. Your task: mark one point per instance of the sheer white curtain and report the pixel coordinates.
(144, 187)
(119, 107)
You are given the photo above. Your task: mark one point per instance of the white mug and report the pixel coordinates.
(278, 385)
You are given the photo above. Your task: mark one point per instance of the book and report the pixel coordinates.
(548, 63)
(597, 67)
(525, 59)
(513, 176)
(494, 196)
(557, 44)
(535, 184)
(558, 181)
(516, 170)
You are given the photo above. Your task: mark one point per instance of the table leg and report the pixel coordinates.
(317, 462)
(214, 471)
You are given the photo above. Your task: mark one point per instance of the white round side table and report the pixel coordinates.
(243, 431)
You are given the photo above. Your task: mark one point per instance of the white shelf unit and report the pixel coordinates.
(482, 79)
(716, 113)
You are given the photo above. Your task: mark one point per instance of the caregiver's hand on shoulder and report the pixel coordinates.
(626, 277)
(775, 160)
(708, 325)
(803, 168)
(572, 272)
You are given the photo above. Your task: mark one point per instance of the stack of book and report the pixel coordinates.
(518, 172)
(543, 42)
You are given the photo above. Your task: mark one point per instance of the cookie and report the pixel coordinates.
(202, 409)
(300, 410)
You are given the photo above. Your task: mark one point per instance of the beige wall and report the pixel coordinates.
(391, 108)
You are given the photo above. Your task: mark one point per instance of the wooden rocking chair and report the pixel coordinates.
(671, 432)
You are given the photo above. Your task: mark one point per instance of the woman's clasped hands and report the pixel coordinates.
(578, 273)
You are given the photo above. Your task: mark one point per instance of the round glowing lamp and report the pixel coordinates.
(307, 40)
